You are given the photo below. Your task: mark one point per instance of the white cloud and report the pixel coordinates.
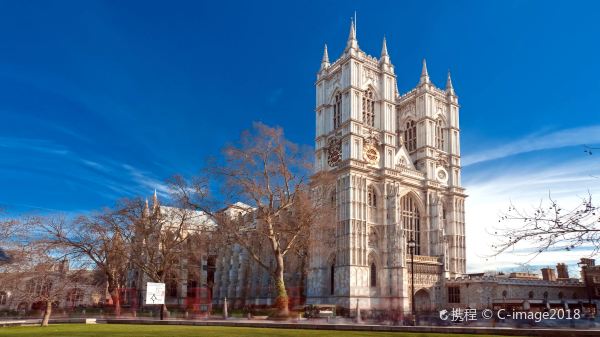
(536, 142)
(492, 189)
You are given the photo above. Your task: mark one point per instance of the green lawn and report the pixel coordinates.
(128, 330)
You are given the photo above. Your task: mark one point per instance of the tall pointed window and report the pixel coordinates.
(337, 111)
(368, 108)
(372, 197)
(373, 275)
(439, 134)
(411, 221)
(410, 136)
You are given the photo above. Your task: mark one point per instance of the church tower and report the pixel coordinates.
(396, 160)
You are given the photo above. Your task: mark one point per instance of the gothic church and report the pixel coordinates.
(396, 159)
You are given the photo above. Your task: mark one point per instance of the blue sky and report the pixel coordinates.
(101, 100)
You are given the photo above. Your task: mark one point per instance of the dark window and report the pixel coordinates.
(332, 278)
(337, 111)
(372, 197)
(439, 134)
(410, 136)
(453, 294)
(373, 275)
(3, 297)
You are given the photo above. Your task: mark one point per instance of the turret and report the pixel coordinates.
(325, 59)
(385, 58)
(424, 74)
(449, 87)
(352, 41)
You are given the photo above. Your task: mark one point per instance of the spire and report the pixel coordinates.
(146, 211)
(155, 204)
(449, 87)
(385, 57)
(424, 75)
(352, 42)
(325, 59)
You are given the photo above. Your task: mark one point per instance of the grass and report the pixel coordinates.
(127, 330)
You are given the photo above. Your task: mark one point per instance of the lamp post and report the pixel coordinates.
(411, 246)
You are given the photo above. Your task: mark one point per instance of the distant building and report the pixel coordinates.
(514, 291)
(563, 271)
(548, 274)
(590, 273)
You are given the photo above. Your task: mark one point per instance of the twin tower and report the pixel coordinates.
(396, 159)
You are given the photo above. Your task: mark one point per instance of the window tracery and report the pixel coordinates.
(337, 111)
(411, 220)
(368, 108)
(410, 136)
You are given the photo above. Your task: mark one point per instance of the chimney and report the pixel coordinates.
(548, 274)
(587, 262)
(562, 270)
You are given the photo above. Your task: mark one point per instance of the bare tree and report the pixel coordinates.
(95, 241)
(35, 276)
(159, 238)
(265, 199)
(549, 226)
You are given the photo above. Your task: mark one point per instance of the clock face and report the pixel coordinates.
(371, 155)
(442, 175)
(334, 152)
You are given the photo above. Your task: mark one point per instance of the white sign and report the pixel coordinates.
(155, 293)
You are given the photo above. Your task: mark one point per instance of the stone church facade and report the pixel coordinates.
(396, 159)
(396, 163)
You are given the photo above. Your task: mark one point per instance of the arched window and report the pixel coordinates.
(373, 275)
(368, 108)
(531, 295)
(439, 134)
(410, 136)
(371, 197)
(337, 111)
(411, 221)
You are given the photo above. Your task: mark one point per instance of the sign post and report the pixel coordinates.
(155, 294)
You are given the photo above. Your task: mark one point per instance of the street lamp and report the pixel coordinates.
(411, 246)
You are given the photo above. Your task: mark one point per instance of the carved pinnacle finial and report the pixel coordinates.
(325, 59)
(424, 74)
(449, 87)
(352, 42)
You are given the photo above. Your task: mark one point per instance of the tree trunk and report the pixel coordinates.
(116, 298)
(47, 313)
(113, 289)
(163, 311)
(282, 300)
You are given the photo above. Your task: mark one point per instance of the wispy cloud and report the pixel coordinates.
(147, 180)
(32, 144)
(536, 142)
(524, 184)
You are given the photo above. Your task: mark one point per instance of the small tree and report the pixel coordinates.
(34, 277)
(159, 238)
(95, 241)
(265, 199)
